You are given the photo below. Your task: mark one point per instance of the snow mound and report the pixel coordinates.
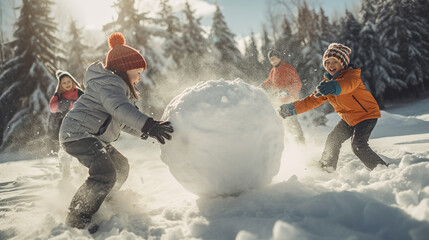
(228, 138)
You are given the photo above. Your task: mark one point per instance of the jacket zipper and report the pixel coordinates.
(359, 103)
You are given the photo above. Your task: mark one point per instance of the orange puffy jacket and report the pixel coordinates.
(284, 77)
(354, 103)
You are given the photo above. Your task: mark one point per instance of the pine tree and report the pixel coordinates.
(76, 63)
(325, 31)
(193, 39)
(389, 68)
(401, 31)
(309, 65)
(349, 35)
(253, 68)
(304, 24)
(223, 39)
(173, 44)
(27, 82)
(287, 45)
(370, 53)
(265, 48)
(195, 45)
(419, 9)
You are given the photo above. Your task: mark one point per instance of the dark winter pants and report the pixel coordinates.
(360, 135)
(106, 167)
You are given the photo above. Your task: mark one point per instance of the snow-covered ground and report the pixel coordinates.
(301, 203)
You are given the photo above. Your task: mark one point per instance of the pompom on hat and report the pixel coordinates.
(339, 52)
(122, 57)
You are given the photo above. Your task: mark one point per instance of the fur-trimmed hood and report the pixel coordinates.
(61, 73)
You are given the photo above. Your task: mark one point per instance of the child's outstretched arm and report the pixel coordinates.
(301, 106)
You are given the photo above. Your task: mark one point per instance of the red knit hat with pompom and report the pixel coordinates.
(122, 57)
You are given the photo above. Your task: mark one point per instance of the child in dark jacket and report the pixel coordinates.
(358, 109)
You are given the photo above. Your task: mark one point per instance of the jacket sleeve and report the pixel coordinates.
(132, 131)
(309, 103)
(53, 104)
(113, 97)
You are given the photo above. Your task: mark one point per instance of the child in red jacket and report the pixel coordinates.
(67, 92)
(284, 84)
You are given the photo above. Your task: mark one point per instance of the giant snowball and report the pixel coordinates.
(227, 138)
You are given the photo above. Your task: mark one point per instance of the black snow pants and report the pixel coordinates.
(359, 135)
(108, 169)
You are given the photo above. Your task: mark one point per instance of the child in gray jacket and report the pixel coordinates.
(97, 118)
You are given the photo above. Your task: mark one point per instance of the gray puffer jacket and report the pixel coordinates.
(106, 108)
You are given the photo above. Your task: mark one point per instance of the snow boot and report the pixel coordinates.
(92, 228)
(79, 220)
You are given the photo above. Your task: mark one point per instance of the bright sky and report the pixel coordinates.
(242, 16)
(245, 16)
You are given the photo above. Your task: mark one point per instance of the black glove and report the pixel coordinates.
(157, 129)
(63, 105)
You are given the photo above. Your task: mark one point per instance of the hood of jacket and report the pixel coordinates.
(96, 71)
(61, 73)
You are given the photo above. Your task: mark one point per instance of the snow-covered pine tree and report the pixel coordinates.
(287, 45)
(193, 37)
(223, 40)
(2, 41)
(367, 41)
(325, 36)
(223, 45)
(401, 30)
(309, 65)
(173, 44)
(254, 70)
(421, 9)
(266, 46)
(391, 37)
(196, 46)
(349, 35)
(370, 51)
(325, 30)
(76, 63)
(27, 79)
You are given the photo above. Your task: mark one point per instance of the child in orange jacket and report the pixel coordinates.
(359, 111)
